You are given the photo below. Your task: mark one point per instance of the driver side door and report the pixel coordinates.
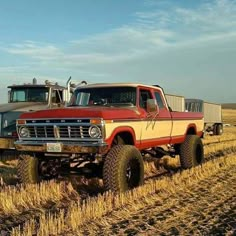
(156, 126)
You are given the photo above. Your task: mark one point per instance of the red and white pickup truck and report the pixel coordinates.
(105, 131)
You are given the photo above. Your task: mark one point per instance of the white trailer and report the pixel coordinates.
(175, 102)
(212, 113)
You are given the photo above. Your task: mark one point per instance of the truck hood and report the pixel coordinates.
(22, 106)
(85, 112)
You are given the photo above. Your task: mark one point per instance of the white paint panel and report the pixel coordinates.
(180, 126)
(151, 129)
(212, 113)
(143, 130)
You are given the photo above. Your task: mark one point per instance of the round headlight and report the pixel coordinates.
(24, 132)
(94, 131)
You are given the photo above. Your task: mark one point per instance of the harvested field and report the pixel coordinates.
(188, 205)
(200, 201)
(229, 116)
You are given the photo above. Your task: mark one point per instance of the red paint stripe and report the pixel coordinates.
(149, 143)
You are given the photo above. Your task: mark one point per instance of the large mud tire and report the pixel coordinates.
(28, 169)
(123, 168)
(191, 152)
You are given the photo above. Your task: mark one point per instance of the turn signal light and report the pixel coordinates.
(95, 121)
(21, 122)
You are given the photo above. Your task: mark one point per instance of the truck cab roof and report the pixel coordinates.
(55, 86)
(100, 85)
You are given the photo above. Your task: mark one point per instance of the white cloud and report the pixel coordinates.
(154, 30)
(122, 44)
(210, 18)
(165, 45)
(35, 50)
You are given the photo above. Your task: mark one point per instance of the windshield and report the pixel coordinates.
(29, 94)
(110, 96)
(8, 122)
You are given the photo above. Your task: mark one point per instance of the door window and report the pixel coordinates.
(143, 97)
(159, 100)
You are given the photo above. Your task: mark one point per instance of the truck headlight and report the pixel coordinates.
(24, 132)
(94, 131)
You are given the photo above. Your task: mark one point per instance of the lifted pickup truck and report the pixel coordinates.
(105, 132)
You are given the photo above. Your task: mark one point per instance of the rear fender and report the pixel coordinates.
(192, 129)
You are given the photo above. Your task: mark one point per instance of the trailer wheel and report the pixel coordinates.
(123, 168)
(191, 152)
(218, 129)
(28, 169)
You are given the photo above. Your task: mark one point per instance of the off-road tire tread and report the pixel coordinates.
(27, 169)
(188, 156)
(111, 170)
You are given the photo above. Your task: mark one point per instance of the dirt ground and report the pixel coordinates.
(204, 207)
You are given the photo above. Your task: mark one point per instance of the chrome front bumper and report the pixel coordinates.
(60, 147)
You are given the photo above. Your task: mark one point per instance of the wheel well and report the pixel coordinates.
(191, 130)
(126, 137)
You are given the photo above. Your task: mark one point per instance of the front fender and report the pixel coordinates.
(120, 130)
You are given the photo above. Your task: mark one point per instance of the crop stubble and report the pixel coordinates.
(204, 206)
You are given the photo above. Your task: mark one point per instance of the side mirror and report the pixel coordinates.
(152, 106)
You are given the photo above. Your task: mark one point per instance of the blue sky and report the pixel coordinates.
(187, 47)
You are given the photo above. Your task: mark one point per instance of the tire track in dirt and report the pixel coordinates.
(170, 171)
(210, 142)
(207, 207)
(204, 206)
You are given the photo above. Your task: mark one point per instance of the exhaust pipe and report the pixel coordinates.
(68, 89)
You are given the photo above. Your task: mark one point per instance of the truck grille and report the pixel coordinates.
(59, 132)
(70, 130)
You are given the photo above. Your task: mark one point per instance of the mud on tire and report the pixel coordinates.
(123, 168)
(27, 169)
(191, 152)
